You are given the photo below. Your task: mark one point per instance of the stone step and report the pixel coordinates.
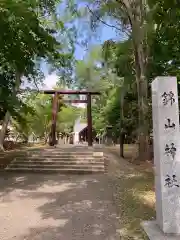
(59, 166)
(55, 152)
(55, 162)
(56, 155)
(56, 170)
(58, 162)
(65, 158)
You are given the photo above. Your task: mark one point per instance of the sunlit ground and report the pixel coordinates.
(134, 195)
(132, 185)
(52, 206)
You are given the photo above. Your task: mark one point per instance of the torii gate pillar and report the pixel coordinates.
(89, 120)
(52, 139)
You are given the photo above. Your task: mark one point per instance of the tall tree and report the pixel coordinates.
(132, 17)
(24, 40)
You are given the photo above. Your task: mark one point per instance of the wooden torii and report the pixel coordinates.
(55, 107)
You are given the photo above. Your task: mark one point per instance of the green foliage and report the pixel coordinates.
(31, 31)
(66, 119)
(115, 81)
(38, 121)
(118, 104)
(165, 46)
(26, 39)
(23, 38)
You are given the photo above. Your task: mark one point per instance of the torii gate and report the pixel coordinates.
(55, 105)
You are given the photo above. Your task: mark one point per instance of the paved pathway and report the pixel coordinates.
(56, 207)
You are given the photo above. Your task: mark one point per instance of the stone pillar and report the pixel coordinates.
(166, 139)
(89, 119)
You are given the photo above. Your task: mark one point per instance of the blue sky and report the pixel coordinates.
(103, 33)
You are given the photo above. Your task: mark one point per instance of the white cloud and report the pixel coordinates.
(50, 81)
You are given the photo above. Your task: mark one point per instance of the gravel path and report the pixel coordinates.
(50, 207)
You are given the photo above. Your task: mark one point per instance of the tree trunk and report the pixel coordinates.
(17, 137)
(122, 135)
(142, 102)
(122, 93)
(138, 23)
(45, 138)
(3, 130)
(7, 115)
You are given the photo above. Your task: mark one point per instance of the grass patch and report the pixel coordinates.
(134, 196)
(135, 202)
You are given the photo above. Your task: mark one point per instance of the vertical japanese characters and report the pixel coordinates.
(170, 148)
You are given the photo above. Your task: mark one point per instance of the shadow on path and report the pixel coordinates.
(47, 207)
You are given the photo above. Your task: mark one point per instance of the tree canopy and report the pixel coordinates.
(24, 41)
(121, 70)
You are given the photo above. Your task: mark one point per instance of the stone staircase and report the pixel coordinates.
(66, 160)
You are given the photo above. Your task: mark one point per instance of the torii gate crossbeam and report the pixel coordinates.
(55, 110)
